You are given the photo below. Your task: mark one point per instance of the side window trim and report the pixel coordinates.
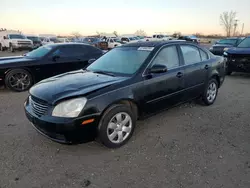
(200, 50)
(192, 46)
(167, 46)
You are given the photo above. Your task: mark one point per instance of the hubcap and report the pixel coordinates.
(211, 92)
(19, 81)
(119, 127)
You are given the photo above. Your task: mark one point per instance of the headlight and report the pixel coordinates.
(225, 53)
(211, 48)
(69, 108)
(225, 49)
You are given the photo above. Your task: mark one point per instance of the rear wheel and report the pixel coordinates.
(117, 126)
(18, 80)
(210, 92)
(1, 47)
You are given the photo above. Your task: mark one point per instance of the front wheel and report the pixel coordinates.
(116, 126)
(210, 92)
(18, 80)
(11, 48)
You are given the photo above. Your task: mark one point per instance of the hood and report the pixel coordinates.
(75, 83)
(222, 45)
(7, 62)
(239, 51)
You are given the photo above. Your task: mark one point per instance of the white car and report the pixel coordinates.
(49, 40)
(113, 42)
(129, 39)
(63, 40)
(14, 41)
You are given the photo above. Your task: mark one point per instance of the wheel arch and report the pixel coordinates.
(217, 78)
(126, 101)
(24, 68)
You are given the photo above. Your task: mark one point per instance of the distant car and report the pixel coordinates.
(49, 40)
(19, 73)
(129, 39)
(190, 38)
(36, 41)
(128, 82)
(63, 40)
(238, 58)
(97, 42)
(112, 42)
(219, 46)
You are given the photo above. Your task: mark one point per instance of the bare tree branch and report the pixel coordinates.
(227, 21)
(140, 32)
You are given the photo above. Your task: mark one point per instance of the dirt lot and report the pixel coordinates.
(191, 146)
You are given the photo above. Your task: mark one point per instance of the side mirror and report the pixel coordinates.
(91, 61)
(55, 57)
(158, 69)
(4, 37)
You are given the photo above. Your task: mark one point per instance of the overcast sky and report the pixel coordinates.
(123, 16)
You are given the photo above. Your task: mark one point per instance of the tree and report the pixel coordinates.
(76, 34)
(115, 33)
(140, 32)
(227, 20)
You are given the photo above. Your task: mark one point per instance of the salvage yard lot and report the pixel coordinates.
(188, 146)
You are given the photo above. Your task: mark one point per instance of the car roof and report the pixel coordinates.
(153, 43)
(67, 44)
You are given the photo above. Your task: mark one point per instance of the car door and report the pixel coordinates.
(64, 59)
(196, 68)
(163, 90)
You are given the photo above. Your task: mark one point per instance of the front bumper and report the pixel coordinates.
(22, 47)
(63, 130)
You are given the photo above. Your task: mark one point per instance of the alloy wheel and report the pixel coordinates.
(211, 92)
(20, 81)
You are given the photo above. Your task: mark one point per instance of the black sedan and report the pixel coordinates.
(126, 83)
(221, 45)
(238, 58)
(19, 73)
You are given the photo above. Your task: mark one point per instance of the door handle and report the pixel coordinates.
(179, 74)
(206, 67)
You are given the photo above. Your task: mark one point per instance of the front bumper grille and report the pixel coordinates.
(37, 107)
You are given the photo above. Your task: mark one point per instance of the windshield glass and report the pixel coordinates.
(16, 36)
(54, 40)
(124, 61)
(39, 52)
(227, 41)
(245, 43)
(33, 38)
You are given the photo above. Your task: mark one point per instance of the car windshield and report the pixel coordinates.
(245, 43)
(16, 36)
(131, 38)
(122, 61)
(54, 40)
(227, 41)
(39, 52)
(34, 38)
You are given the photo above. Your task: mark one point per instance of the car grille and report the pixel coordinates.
(23, 42)
(37, 107)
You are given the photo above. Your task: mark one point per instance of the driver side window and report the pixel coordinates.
(168, 56)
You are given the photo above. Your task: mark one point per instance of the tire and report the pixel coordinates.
(212, 88)
(106, 127)
(11, 48)
(228, 72)
(18, 80)
(1, 48)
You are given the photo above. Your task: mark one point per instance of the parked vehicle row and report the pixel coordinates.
(126, 83)
(19, 73)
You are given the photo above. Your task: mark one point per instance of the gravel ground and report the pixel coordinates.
(190, 146)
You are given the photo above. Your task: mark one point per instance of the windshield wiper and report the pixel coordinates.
(104, 72)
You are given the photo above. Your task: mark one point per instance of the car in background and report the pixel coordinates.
(238, 58)
(19, 73)
(36, 41)
(129, 39)
(97, 42)
(49, 40)
(223, 44)
(162, 37)
(189, 38)
(63, 40)
(14, 40)
(112, 42)
(128, 82)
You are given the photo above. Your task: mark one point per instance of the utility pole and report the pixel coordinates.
(235, 25)
(242, 29)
